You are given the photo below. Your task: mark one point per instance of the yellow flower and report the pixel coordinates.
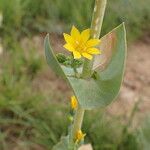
(80, 44)
(79, 136)
(74, 102)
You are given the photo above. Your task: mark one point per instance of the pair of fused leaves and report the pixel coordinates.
(108, 67)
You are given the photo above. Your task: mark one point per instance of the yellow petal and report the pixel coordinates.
(92, 42)
(85, 35)
(86, 55)
(69, 47)
(76, 55)
(93, 51)
(68, 38)
(75, 33)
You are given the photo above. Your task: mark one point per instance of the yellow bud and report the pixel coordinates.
(74, 102)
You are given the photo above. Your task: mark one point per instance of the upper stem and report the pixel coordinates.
(97, 20)
(96, 25)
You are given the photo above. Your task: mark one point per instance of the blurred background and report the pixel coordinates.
(34, 103)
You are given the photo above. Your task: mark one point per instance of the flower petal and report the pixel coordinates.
(75, 33)
(92, 42)
(86, 55)
(85, 35)
(93, 51)
(68, 38)
(69, 47)
(76, 55)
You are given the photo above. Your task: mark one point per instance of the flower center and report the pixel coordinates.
(80, 46)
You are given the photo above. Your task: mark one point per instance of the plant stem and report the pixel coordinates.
(98, 15)
(78, 120)
(96, 25)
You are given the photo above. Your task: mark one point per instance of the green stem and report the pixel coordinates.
(97, 19)
(78, 120)
(96, 25)
(98, 15)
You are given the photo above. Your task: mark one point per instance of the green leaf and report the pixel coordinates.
(108, 68)
(103, 89)
(51, 58)
(63, 144)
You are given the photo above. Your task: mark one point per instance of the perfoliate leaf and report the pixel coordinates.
(108, 67)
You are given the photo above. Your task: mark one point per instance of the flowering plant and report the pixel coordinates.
(94, 70)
